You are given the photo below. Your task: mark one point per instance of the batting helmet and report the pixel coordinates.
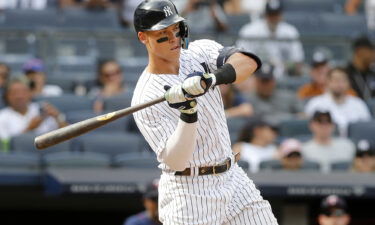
(153, 15)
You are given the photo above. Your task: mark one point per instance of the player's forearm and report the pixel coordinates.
(180, 146)
(243, 65)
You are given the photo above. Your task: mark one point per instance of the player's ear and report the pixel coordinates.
(142, 37)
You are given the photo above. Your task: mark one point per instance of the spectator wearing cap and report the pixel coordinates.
(290, 158)
(333, 210)
(150, 201)
(324, 148)
(364, 161)
(256, 143)
(320, 67)
(34, 70)
(235, 104)
(344, 108)
(272, 104)
(22, 116)
(361, 70)
(274, 40)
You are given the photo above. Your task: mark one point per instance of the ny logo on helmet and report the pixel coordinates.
(168, 11)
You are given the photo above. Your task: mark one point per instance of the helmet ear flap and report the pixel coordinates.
(184, 33)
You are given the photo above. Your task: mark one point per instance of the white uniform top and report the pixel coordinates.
(353, 109)
(278, 48)
(158, 122)
(13, 123)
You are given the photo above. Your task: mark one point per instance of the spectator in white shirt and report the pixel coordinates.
(35, 72)
(324, 148)
(21, 115)
(344, 108)
(274, 39)
(256, 143)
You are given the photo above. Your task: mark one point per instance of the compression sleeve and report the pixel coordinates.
(180, 146)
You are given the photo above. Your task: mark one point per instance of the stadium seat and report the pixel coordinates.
(362, 130)
(341, 166)
(236, 22)
(25, 143)
(118, 102)
(342, 25)
(68, 102)
(235, 125)
(309, 6)
(25, 160)
(82, 19)
(112, 143)
(119, 125)
(76, 159)
(276, 165)
(244, 165)
(294, 128)
(138, 160)
(29, 19)
(371, 106)
(293, 83)
(66, 84)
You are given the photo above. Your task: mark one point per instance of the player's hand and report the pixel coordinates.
(176, 99)
(198, 83)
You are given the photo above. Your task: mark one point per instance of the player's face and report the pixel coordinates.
(165, 44)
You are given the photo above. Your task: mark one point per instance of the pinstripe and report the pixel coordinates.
(227, 198)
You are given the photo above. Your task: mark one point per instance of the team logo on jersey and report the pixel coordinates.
(168, 11)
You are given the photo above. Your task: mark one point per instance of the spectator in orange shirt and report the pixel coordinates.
(319, 69)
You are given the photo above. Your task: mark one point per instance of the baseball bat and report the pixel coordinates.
(65, 133)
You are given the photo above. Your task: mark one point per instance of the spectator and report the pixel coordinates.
(275, 40)
(21, 115)
(235, 104)
(35, 72)
(127, 8)
(4, 75)
(361, 73)
(254, 8)
(256, 143)
(319, 69)
(364, 161)
(109, 83)
(150, 215)
(202, 15)
(272, 104)
(323, 147)
(351, 8)
(338, 102)
(24, 4)
(333, 210)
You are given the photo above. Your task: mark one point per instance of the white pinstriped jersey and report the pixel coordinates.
(229, 198)
(158, 122)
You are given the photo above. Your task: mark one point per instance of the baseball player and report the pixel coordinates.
(200, 182)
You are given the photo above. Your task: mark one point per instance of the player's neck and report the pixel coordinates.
(158, 65)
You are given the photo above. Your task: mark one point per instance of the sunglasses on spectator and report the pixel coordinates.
(362, 154)
(294, 154)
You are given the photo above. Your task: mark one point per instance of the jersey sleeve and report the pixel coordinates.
(207, 51)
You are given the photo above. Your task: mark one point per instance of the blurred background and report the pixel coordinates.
(304, 123)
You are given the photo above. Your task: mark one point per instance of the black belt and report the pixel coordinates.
(207, 170)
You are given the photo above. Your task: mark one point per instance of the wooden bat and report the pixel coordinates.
(65, 133)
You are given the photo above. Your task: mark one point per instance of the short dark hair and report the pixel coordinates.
(362, 42)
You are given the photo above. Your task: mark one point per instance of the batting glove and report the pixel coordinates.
(188, 108)
(198, 83)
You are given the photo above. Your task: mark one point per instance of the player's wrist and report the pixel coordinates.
(189, 118)
(225, 74)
